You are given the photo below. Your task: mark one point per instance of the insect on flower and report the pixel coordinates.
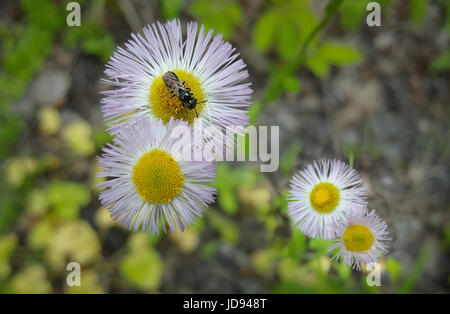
(176, 88)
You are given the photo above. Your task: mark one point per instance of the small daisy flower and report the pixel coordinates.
(322, 195)
(147, 184)
(204, 64)
(360, 239)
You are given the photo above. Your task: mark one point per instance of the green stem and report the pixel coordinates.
(351, 159)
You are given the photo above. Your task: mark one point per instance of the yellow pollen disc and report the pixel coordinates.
(324, 197)
(157, 177)
(164, 107)
(358, 238)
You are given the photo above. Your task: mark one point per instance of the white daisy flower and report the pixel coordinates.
(147, 184)
(207, 67)
(322, 195)
(360, 239)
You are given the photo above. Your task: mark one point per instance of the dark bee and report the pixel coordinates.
(176, 88)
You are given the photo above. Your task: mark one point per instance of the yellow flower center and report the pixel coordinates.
(358, 238)
(164, 106)
(324, 197)
(157, 177)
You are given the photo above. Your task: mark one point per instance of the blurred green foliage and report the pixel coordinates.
(170, 8)
(222, 16)
(353, 13)
(48, 219)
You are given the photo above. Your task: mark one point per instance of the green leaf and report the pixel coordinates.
(395, 269)
(281, 200)
(417, 11)
(143, 269)
(7, 246)
(31, 280)
(286, 287)
(40, 235)
(292, 84)
(265, 31)
(319, 245)
(446, 240)
(352, 13)
(318, 66)
(101, 46)
(441, 63)
(101, 137)
(226, 227)
(226, 195)
(221, 16)
(344, 271)
(289, 157)
(254, 112)
(297, 246)
(170, 8)
(288, 41)
(67, 198)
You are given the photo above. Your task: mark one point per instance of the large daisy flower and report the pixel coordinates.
(360, 239)
(322, 195)
(205, 65)
(149, 182)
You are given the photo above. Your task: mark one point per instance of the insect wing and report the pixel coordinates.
(171, 80)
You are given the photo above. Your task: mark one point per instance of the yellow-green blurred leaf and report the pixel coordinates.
(170, 8)
(339, 54)
(73, 241)
(227, 228)
(89, 284)
(67, 198)
(7, 245)
(49, 121)
(264, 262)
(395, 270)
(37, 202)
(31, 280)
(187, 240)
(18, 169)
(41, 234)
(318, 66)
